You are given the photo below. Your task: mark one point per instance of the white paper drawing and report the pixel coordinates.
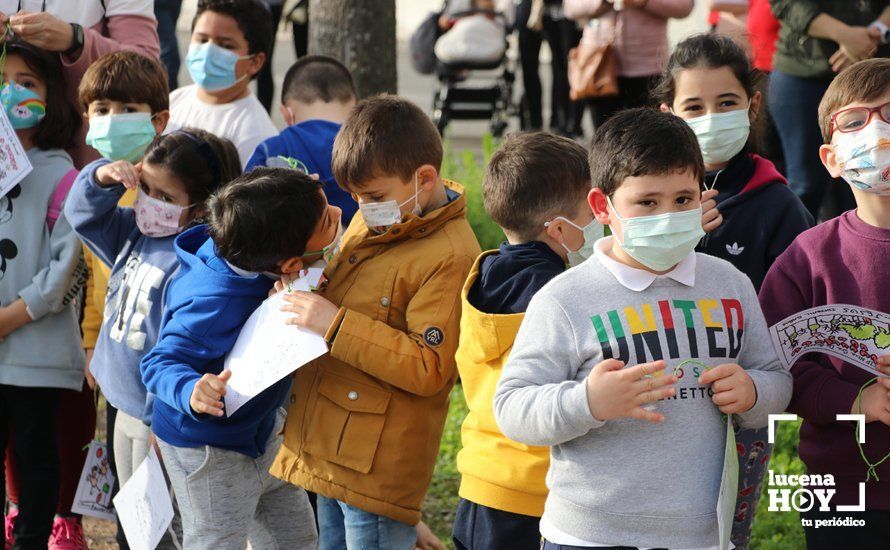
(267, 349)
(854, 334)
(144, 505)
(14, 162)
(93, 495)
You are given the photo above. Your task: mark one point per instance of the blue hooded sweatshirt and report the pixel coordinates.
(312, 143)
(141, 270)
(207, 304)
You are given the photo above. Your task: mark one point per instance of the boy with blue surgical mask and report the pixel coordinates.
(626, 364)
(230, 43)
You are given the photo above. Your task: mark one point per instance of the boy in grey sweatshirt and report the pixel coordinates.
(625, 363)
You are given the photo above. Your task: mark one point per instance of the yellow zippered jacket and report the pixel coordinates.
(495, 471)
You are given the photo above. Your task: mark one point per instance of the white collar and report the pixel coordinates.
(241, 272)
(640, 279)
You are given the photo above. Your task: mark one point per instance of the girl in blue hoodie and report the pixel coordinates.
(175, 177)
(709, 83)
(40, 347)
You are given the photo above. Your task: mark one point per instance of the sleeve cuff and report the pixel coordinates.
(334, 329)
(576, 408)
(185, 399)
(34, 302)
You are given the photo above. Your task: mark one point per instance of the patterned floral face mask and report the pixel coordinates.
(156, 218)
(864, 157)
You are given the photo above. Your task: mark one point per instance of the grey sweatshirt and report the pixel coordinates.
(625, 481)
(38, 266)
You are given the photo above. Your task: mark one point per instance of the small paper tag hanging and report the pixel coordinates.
(93, 495)
(14, 162)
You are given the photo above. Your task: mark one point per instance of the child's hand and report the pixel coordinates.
(208, 393)
(313, 312)
(426, 540)
(13, 317)
(884, 366)
(91, 382)
(711, 218)
(875, 404)
(733, 388)
(616, 392)
(119, 172)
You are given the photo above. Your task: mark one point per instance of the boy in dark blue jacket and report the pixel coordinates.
(263, 225)
(316, 97)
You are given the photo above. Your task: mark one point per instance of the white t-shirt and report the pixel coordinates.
(243, 122)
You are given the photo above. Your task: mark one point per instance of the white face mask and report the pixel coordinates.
(593, 231)
(864, 157)
(379, 216)
(721, 136)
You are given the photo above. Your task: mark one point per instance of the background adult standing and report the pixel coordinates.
(641, 44)
(817, 39)
(167, 14)
(80, 31)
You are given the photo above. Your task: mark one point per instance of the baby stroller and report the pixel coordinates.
(475, 42)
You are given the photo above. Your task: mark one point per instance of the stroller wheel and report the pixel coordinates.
(440, 119)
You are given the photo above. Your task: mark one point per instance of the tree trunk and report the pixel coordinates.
(362, 35)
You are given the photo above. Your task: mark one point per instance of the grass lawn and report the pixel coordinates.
(772, 530)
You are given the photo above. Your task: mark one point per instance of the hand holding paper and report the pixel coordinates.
(208, 393)
(314, 313)
(268, 348)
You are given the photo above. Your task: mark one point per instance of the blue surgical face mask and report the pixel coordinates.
(213, 67)
(121, 137)
(24, 108)
(660, 242)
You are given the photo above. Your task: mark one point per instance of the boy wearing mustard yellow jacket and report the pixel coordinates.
(364, 420)
(536, 189)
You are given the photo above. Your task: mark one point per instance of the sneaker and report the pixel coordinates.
(9, 525)
(67, 534)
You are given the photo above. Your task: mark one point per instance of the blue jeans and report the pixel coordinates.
(167, 12)
(343, 526)
(793, 106)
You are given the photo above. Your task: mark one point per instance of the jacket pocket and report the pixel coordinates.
(347, 422)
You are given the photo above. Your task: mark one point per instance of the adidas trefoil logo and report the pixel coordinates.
(735, 249)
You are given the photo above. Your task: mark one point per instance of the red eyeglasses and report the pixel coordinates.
(856, 118)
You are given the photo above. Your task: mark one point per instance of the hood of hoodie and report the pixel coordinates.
(314, 138)
(485, 337)
(197, 260)
(743, 178)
